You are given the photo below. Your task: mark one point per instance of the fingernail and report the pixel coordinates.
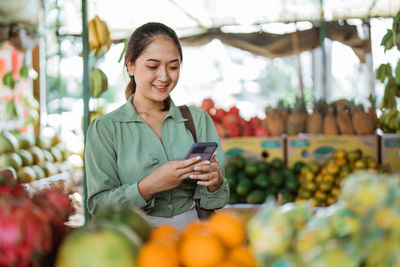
(208, 162)
(196, 168)
(198, 157)
(191, 176)
(198, 182)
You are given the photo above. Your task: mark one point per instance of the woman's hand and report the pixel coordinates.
(208, 174)
(167, 176)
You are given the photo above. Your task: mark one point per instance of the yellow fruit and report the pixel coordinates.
(360, 164)
(309, 176)
(335, 191)
(325, 186)
(321, 196)
(340, 161)
(330, 200)
(328, 178)
(332, 168)
(340, 154)
(311, 186)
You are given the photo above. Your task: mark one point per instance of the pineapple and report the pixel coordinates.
(315, 120)
(362, 121)
(273, 122)
(297, 119)
(330, 124)
(372, 111)
(284, 112)
(343, 118)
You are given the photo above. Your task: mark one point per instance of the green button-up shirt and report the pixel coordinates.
(121, 150)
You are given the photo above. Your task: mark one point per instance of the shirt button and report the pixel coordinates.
(169, 206)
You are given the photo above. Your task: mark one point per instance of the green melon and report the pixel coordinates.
(100, 245)
(133, 217)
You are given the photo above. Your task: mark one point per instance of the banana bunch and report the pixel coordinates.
(389, 121)
(99, 36)
(98, 82)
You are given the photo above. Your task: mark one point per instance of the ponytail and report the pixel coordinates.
(130, 88)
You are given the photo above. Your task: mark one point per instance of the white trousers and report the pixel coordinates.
(179, 221)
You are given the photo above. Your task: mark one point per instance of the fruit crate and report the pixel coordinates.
(68, 182)
(265, 148)
(318, 148)
(390, 152)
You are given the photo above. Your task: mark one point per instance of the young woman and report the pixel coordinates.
(135, 154)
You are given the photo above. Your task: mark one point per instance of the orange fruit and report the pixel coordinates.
(242, 257)
(196, 228)
(228, 228)
(166, 234)
(228, 263)
(201, 251)
(154, 254)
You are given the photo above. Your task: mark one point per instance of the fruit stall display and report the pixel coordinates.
(124, 237)
(322, 182)
(229, 123)
(34, 157)
(252, 181)
(361, 229)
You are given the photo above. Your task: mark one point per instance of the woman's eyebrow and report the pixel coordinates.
(156, 60)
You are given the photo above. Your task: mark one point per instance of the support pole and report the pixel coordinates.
(322, 35)
(86, 96)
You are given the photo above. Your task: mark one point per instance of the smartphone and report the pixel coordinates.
(202, 149)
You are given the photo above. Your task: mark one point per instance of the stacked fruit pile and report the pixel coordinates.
(252, 181)
(322, 183)
(219, 241)
(230, 123)
(339, 117)
(360, 230)
(33, 157)
(31, 227)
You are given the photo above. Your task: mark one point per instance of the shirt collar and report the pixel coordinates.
(127, 113)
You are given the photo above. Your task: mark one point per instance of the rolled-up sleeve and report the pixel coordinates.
(103, 184)
(211, 200)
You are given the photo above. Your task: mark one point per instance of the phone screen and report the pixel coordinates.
(202, 149)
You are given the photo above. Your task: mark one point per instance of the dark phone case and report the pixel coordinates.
(202, 149)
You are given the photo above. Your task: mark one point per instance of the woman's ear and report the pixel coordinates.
(130, 67)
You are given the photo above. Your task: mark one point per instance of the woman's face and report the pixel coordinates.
(156, 70)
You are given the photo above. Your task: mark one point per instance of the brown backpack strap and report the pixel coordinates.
(189, 123)
(202, 213)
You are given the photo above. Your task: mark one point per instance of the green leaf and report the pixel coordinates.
(397, 73)
(123, 50)
(24, 71)
(8, 80)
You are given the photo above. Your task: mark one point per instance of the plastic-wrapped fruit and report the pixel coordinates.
(364, 191)
(270, 234)
(272, 229)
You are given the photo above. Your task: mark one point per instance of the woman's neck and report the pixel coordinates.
(146, 106)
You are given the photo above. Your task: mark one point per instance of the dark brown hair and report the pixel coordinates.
(139, 40)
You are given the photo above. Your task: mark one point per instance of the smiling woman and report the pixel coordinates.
(135, 154)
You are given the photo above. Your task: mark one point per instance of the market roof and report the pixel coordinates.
(189, 17)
